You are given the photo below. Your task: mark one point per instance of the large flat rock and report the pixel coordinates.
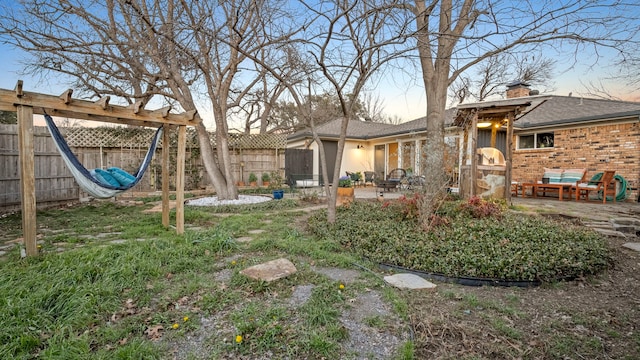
(632, 245)
(409, 281)
(271, 270)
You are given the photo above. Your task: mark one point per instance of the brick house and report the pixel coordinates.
(548, 131)
(575, 132)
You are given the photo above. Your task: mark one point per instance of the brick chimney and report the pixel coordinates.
(517, 89)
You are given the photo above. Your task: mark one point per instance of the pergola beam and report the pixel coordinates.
(65, 106)
(25, 104)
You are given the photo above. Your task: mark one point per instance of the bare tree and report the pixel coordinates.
(373, 107)
(496, 71)
(598, 90)
(624, 72)
(454, 36)
(360, 38)
(347, 43)
(138, 50)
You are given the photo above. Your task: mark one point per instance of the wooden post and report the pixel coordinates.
(166, 209)
(474, 158)
(28, 179)
(180, 166)
(508, 157)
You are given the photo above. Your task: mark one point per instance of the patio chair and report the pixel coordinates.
(606, 185)
(396, 175)
(392, 181)
(369, 178)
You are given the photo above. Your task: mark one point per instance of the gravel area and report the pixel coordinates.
(242, 199)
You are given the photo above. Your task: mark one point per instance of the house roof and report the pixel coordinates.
(552, 110)
(538, 111)
(365, 130)
(357, 129)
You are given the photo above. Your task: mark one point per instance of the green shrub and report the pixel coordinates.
(511, 246)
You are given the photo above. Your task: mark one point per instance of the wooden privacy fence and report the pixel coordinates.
(124, 148)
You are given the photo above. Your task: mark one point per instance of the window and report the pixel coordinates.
(535, 141)
(408, 155)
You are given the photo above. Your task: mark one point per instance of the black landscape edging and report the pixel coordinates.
(467, 281)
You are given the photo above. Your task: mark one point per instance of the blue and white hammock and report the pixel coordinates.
(90, 183)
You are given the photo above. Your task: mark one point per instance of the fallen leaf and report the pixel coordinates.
(154, 332)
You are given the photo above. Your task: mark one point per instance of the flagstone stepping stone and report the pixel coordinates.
(244, 239)
(609, 232)
(158, 207)
(626, 225)
(118, 241)
(367, 305)
(343, 275)
(2, 252)
(99, 236)
(257, 231)
(300, 295)
(409, 281)
(271, 270)
(223, 275)
(632, 245)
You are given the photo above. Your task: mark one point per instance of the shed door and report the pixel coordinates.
(298, 162)
(330, 152)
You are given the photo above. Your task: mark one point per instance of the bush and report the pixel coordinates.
(478, 207)
(510, 247)
(344, 181)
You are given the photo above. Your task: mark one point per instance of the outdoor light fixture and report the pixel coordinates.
(484, 124)
(360, 146)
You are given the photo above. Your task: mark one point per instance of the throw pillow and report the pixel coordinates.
(554, 175)
(106, 178)
(123, 177)
(572, 175)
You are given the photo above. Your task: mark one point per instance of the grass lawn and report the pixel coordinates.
(112, 283)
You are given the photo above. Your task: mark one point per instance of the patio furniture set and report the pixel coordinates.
(572, 182)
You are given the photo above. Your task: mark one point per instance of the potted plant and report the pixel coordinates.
(345, 190)
(253, 179)
(276, 184)
(356, 177)
(265, 179)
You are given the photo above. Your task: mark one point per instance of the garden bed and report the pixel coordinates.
(509, 247)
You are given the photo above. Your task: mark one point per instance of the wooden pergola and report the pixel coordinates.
(26, 104)
(499, 114)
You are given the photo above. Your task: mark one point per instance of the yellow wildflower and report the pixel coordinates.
(238, 339)
(185, 319)
(175, 326)
(341, 286)
(233, 262)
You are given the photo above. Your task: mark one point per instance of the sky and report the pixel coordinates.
(402, 94)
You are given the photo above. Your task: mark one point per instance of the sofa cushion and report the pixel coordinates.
(572, 175)
(554, 175)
